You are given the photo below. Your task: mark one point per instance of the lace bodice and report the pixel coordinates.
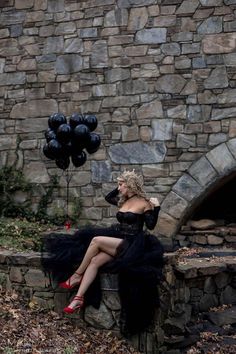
(149, 217)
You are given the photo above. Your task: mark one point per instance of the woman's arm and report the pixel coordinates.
(112, 197)
(151, 215)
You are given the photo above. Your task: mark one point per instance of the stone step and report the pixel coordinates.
(223, 316)
(202, 262)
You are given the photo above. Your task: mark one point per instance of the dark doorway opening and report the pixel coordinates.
(220, 204)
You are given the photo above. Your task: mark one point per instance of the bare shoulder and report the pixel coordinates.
(151, 203)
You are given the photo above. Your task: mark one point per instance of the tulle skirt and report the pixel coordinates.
(138, 263)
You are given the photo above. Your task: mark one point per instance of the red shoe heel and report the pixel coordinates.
(67, 284)
(70, 310)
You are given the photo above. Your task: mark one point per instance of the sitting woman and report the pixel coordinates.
(124, 248)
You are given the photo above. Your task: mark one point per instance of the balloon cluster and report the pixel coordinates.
(65, 141)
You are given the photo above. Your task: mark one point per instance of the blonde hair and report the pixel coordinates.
(134, 184)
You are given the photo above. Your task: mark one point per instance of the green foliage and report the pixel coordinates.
(41, 213)
(20, 234)
(8, 350)
(69, 350)
(13, 181)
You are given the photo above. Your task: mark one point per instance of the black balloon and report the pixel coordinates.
(91, 122)
(67, 149)
(79, 160)
(65, 141)
(81, 134)
(93, 143)
(63, 163)
(50, 134)
(55, 120)
(47, 152)
(76, 119)
(55, 148)
(64, 133)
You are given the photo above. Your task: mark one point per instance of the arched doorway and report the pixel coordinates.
(206, 175)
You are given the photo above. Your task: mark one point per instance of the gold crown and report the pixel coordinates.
(127, 175)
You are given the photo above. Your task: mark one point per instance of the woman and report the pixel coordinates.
(124, 248)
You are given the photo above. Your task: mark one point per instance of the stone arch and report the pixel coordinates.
(192, 187)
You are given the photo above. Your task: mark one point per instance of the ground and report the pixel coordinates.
(28, 329)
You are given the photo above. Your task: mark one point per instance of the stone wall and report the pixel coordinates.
(195, 285)
(160, 76)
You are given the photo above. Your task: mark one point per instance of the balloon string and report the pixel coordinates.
(68, 179)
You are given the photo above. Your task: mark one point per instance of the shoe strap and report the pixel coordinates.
(77, 297)
(78, 274)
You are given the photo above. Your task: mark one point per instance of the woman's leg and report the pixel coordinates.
(98, 244)
(90, 274)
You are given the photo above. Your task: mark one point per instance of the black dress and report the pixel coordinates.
(139, 263)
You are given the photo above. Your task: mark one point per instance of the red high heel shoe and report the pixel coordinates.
(69, 309)
(67, 284)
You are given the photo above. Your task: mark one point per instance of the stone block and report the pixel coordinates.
(137, 153)
(170, 83)
(112, 300)
(219, 43)
(35, 278)
(16, 275)
(104, 90)
(214, 240)
(228, 296)
(120, 101)
(230, 59)
(217, 138)
(187, 7)
(223, 317)
(221, 159)
(65, 28)
(36, 172)
(101, 318)
(191, 48)
(155, 170)
(101, 171)
(137, 19)
(117, 74)
(34, 109)
(134, 3)
(217, 79)
(73, 45)
(167, 225)
(203, 172)
(145, 134)
(211, 2)
(129, 133)
(162, 129)
(185, 141)
(68, 64)
(151, 36)
(232, 146)
(174, 205)
(165, 21)
(210, 25)
(7, 79)
(187, 187)
(208, 301)
(149, 110)
(8, 142)
(132, 87)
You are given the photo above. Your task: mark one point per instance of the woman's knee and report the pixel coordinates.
(96, 241)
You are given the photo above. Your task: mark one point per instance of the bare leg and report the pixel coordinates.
(98, 244)
(90, 274)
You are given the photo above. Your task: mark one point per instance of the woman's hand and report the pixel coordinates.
(154, 202)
